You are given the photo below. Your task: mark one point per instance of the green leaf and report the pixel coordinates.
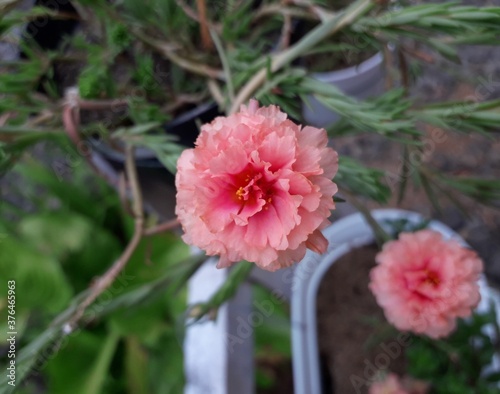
(362, 180)
(446, 50)
(41, 274)
(423, 361)
(83, 248)
(167, 361)
(56, 233)
(95, 81)
(142, 112)
(118, 37)
(99, 203)
(136, 366)
(169, 160)
(169, 283)
(10, 152)
(99, 371)
(483, 190)
(226, 291)
(138, 129)
(429, 191)
(82, 363)
(21, 129)
(146, 323)
(154, 256)
(272, 337)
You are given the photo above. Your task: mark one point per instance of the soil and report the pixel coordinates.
(351, 327)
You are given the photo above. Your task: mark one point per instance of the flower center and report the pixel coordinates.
(432, 279)
(252, 189)
(240, 193)
(423, 282)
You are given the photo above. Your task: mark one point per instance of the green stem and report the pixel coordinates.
(381, 235)
(327, 28)
(171, 282)
(225, 64)
(236, 276)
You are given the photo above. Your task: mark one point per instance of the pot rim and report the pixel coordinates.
(350, 72)
(351, 232)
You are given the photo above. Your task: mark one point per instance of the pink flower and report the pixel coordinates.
(425, 283)
(256, 187)
(390, 385)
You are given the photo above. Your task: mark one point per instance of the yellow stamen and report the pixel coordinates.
(240, 192)
(432, 279)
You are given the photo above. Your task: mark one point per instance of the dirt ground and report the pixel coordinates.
(351, 326)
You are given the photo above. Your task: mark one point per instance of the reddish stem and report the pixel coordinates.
(205, 32)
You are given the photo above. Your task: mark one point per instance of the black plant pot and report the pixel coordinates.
(158, 184)
(48, 32)
(183, 127)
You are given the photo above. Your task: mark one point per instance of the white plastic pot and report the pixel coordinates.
(344, 235)
(361, 81)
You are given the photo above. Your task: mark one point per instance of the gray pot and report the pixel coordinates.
(361, 81)
(9, 50)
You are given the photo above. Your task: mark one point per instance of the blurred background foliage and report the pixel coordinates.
(54, 252)
(140, 64)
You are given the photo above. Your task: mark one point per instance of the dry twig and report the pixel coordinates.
(162, 227)
(102, 283)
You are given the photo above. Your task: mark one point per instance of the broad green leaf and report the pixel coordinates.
(147, 322)
(56, 233)
(136, 366)
(100, 203)
(166, 360)
(152, 259)
(82, 364)
(100, 367)
(155, 255)
(83, 248)
(41, 277)
(97, 254)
